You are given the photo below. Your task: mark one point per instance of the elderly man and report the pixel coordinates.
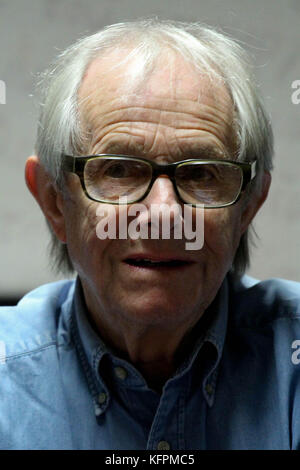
(153, 346)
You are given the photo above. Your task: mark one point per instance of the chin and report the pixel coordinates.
(158, 312)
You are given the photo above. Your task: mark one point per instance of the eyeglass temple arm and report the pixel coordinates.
(68, 162)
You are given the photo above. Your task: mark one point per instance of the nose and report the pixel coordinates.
(162, 208)
(162, 192)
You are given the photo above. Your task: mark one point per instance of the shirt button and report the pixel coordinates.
(209, 389)
(102, 398)
(120, 373)
(163, 445)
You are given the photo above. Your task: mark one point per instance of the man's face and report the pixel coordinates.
(174, 114)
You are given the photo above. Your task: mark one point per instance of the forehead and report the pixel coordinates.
(170, 74)
(171, 90)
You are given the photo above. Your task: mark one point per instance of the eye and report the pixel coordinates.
(204, 173)
(117, 170)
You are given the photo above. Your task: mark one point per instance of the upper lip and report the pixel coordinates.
(155, 257)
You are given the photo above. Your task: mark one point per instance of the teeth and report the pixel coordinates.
(151, 260)
(147, 261)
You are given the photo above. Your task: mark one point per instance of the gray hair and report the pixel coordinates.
(208, 50)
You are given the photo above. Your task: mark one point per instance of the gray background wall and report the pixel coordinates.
(32, 32)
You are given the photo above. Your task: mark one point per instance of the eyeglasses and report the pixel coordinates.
(204, 183)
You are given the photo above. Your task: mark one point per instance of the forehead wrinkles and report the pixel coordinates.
(173, 95)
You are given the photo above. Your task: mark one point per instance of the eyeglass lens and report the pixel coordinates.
(108, 179)
(209, 183)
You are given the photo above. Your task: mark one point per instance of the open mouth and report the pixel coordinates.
(148, 263)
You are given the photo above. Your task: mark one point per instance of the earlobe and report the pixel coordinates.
(47, 196)
(255, 202)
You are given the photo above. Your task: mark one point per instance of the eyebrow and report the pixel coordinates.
(124, 148)
(202, 151)
(205, 151)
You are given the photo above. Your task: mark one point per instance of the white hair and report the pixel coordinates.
(208, 50)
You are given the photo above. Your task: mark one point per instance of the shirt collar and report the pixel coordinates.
(210, 333)
(92, 348)
(91, 341)
(215, 335)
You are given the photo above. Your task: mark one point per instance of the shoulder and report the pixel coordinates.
(258, 303)
(35, 320)
(35, 343)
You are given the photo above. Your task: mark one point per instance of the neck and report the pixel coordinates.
(155, 350)
(155, 353)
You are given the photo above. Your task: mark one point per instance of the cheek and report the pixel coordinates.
(222, 232)
(85, 248)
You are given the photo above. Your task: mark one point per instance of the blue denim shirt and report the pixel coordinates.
(238, 387)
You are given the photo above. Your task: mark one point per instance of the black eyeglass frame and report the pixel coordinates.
(75, 164)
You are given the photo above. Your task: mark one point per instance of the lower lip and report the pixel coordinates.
(159, 267)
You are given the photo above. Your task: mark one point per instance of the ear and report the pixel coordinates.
(46, 194)
(255, 202)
